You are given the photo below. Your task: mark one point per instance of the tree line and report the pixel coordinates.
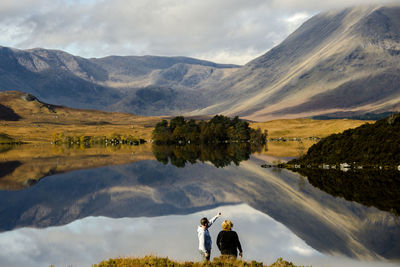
(220, 129)
(88, 141)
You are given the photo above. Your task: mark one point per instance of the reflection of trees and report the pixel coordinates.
(380, 189)
(8, 167)
(220, 155)
(5, 147)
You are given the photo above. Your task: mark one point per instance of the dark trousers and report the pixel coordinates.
(206, 258)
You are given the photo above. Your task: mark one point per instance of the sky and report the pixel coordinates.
(223, 31)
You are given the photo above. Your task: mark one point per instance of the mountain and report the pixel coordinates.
(147, 85)
(338, 63)
(342, 63)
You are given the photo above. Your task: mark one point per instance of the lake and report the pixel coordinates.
(79, 206)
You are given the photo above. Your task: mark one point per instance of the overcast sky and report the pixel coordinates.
(226, 31)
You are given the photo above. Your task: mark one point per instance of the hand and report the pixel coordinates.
(206, 254)
(219, 214)
(241, 254)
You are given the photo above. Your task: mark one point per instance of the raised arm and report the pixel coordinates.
(213, 219)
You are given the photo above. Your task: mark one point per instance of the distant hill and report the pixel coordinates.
(369, 144)
(338, 64)
(147, 85)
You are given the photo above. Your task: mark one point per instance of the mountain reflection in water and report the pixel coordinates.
(143, 187)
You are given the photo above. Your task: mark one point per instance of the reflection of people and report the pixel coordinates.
(228, 240)
(204, 236)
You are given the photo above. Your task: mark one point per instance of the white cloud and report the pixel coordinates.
(229, 31)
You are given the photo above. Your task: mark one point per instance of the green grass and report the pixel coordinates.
(157, 261)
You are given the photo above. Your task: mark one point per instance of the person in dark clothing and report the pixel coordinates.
(228, 241)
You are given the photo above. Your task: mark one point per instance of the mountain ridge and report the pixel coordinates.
(337, 62)
(328, 51)
(146, 85)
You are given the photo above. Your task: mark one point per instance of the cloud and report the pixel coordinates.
(230, 31)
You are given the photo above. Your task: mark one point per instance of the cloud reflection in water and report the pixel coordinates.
(90, 240)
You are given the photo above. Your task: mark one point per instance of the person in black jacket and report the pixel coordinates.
(228, 240)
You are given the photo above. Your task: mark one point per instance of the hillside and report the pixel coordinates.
(31, 120)
(147, 85)
(369, 144)
(342, 63)
(339, 63)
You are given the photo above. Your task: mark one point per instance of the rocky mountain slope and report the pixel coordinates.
(339, 63)
(145, 85)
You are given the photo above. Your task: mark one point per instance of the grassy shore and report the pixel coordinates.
(40, 122)
(157, 261)
(304, 128)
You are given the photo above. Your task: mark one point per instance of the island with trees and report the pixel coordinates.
(221, 141)
(220, 129)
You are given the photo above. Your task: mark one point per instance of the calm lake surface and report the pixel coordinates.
(94, 210)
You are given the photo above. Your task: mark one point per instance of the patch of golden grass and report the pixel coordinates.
(288, 149)
(303, 128)
(158, 261)
(39, 121)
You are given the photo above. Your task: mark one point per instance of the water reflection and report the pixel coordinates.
(220, 155)
(22, 166)
(378, 188)
(132, 184)
(148, 188)
(263, 239)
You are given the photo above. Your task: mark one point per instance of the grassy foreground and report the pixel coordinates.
(157, 261)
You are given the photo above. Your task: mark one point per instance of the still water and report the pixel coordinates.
(143, 206)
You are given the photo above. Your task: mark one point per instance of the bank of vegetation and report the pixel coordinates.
(370, 145)
(89, 141)
(158, 261)
(220, 129)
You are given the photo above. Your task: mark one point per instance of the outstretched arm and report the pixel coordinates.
(213, 219)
